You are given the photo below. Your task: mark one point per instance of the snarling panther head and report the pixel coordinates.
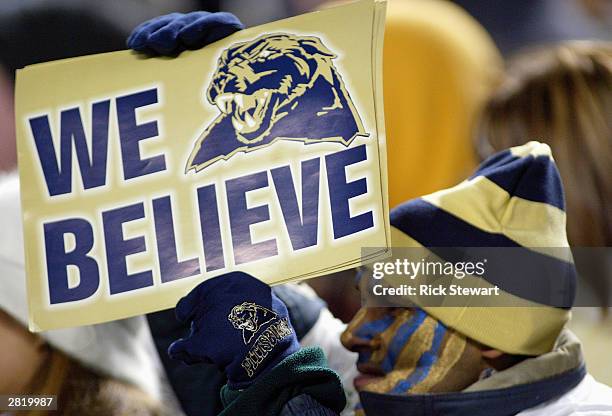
(256, 82)
(249, 318)
(277, 86)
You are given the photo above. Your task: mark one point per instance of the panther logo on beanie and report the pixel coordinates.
(249, 318)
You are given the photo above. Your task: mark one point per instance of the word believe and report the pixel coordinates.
(301, 216)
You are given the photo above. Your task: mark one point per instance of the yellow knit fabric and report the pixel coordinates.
(439, 65)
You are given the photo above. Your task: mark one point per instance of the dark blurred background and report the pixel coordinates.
(34, 31)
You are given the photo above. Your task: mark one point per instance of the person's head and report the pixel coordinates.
(514, 201)
(435, 82)
(407, 351)
(37, 32)
(439, 65)
(562, 96)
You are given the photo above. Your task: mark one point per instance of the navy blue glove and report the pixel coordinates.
(237, 324)
(173, 33)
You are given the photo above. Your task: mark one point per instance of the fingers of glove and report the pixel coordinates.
(209, 28)
(187, 306)
(199, 299)
(184, 350)
(139, 37)
(165, 40)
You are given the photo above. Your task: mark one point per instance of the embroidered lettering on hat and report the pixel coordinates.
(264, 344)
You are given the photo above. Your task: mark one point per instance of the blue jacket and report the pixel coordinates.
(499, 402)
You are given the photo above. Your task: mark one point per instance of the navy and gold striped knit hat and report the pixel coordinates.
(514, 199)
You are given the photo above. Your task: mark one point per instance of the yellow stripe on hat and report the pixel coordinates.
(485, 205)
(528, 328)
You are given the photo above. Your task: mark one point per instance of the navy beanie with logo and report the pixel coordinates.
(238, 324)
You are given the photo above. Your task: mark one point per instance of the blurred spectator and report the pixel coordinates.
(102, 369)
(125, 14)
(106, 369)
(562, 95)
(265, 11)
(521, 23)
(303, 6)
(8, 155)
(512, 24)
(33, 34)
(30, 35)
(439, 65)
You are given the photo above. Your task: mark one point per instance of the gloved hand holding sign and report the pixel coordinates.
(175, 32)
(237, 324)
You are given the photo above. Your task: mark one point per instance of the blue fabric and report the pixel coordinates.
(173, 33)
(434, 227)
(543, 279)
(533, 178)
(497, 159)
(196, 387)
(304, 311)
(500, 402)
(237, 324)
(523, 272)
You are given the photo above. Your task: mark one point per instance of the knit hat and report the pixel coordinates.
(243, 313)
(121, 349)
(514, 199)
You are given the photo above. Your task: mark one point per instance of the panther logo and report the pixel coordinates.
(277, 86)
(250, 317)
